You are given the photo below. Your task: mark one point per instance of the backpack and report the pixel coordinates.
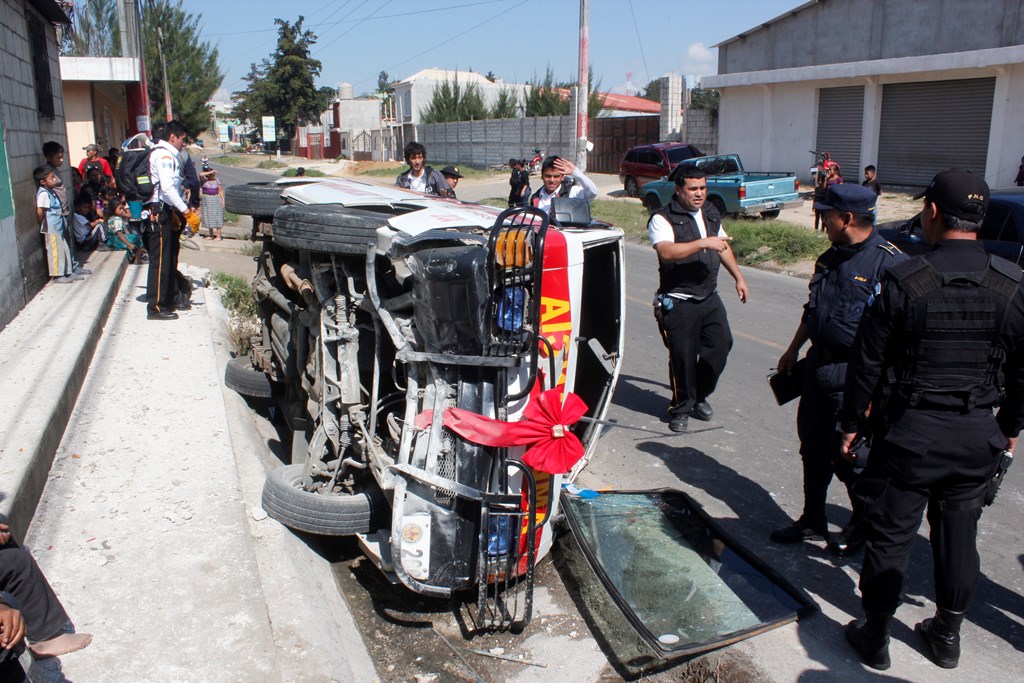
(132, 173)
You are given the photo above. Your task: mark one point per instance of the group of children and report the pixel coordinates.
(98, 217)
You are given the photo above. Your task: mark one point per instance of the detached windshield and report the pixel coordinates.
(681, 584)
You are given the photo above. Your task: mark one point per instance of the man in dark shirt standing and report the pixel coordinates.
(846, 280)
(688, 238)
(927, 360)
(871, 180)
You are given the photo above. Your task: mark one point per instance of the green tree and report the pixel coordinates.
(550, 98)
(652, 91)
(704, 98)
(193, 71)
(490, 76)
(97, 31)
(544, 97)
(283, 85)
(452, 102)
(506, 106)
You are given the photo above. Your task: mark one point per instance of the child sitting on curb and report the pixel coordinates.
(118, 214)
(88, 231)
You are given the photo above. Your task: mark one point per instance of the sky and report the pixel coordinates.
(516, 39)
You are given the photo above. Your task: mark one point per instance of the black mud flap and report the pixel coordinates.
(683, 584)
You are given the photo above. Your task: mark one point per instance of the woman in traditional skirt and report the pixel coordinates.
(212, 207)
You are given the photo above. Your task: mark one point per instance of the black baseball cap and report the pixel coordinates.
(453, 171)
(851, 197)
(958, 193)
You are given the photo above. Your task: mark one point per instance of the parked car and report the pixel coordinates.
(1002, 231)
(381, 311)
(644, 163)
(731, 189)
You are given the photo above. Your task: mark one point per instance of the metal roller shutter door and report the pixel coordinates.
(929, 127)
(840, 120)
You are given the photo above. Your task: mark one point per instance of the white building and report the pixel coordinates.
(414, 93)
(911, 87)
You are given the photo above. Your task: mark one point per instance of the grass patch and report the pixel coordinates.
(230, 160)
(230, 217)
(271, 164)
(237, 297)
(310, 172)
(755, 242)
(251, 249)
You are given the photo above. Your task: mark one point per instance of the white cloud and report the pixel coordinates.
(699, 60)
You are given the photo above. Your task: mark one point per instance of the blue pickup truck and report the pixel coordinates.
(731, 189)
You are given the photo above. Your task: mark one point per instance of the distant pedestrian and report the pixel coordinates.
(212, 210)
(833, 177)
(519, 183)
(419, 177)
(451, 176)
(1019, 180)
(818, 197)
(52, 224)
(871, 180)
(113, 154)
(93, 160)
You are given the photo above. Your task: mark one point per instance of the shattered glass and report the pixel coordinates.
(679, 580)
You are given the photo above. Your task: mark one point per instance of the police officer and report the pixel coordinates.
(846, 279)
(688, 238)
(169, 207)
(928, 359)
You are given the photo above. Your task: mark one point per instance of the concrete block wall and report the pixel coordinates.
(22, 254)
(701, 129)
(494, 141)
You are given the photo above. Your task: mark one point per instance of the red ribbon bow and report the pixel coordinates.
(544, 427)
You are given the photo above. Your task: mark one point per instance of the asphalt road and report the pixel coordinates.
(744, 468)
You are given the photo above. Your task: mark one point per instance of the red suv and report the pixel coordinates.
(644, 163)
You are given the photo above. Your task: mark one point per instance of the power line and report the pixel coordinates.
(323, 47)
(639, 42)
(448, 40)
(432, 10)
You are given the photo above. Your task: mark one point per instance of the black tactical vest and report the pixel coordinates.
(696, 276)
(952, 358)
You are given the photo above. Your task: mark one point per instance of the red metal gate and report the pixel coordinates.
(612, 136)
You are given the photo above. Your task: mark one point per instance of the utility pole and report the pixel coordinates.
(163, 66)
(583, 89)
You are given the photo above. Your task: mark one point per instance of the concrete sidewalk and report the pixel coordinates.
(147, 531)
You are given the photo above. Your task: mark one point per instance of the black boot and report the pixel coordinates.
(871, 639)
(942, 635)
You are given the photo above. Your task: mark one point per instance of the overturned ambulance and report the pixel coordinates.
(441, 366)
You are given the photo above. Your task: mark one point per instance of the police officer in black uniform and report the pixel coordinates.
(688, 238)
(929, 358)
(846, 279)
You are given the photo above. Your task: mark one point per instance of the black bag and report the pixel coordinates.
(132, 174)
(785, 387)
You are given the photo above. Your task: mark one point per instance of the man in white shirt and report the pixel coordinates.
(691, 244)
(561, 178)
(168, 207)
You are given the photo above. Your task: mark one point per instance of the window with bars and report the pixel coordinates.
(40, 66)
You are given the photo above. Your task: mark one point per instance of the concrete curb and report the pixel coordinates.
(44, 356)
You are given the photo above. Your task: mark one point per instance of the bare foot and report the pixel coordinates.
(61, 645)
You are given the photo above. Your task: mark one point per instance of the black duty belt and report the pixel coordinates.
(830, 354)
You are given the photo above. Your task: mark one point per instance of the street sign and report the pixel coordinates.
(269, 130)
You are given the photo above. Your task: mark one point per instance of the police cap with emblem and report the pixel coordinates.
(856, 199)
(958, 193)
(452, 171)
